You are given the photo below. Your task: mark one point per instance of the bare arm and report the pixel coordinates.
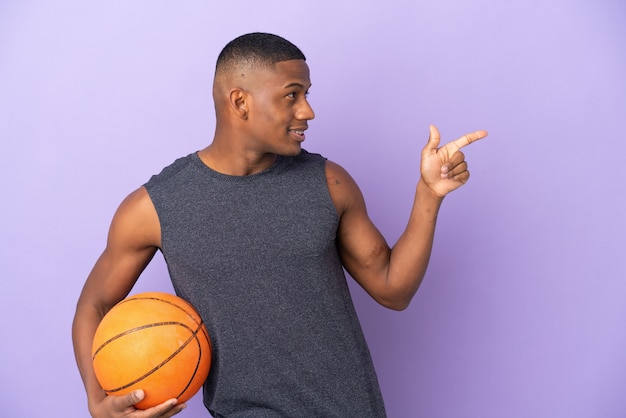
(393, 275)
(134, 237)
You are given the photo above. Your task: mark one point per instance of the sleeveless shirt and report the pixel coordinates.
(256, 256)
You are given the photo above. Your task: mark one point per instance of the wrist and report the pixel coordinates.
(426, 192)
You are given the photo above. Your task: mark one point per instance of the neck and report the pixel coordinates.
(235, 162)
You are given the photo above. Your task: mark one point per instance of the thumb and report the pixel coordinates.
(133, 397)
(433, 139)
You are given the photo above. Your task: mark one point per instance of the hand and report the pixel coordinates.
(122, 407)
(444, 169)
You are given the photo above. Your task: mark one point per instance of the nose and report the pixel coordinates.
(305, 111)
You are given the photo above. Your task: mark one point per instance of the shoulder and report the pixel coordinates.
(136, 220)
(137, 201)
(344, 191)
(336, 174)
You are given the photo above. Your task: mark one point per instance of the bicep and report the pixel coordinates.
(134, 237)
(363, 249)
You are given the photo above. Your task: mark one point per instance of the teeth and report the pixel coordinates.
(298, 132)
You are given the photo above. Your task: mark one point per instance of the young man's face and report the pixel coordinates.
(278, 110)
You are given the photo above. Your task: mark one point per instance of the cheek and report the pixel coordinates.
(265, 112)
(276, 116)
(270, 113)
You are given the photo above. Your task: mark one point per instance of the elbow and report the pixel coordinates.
(398, 307)
(397, 298)
(395, 304)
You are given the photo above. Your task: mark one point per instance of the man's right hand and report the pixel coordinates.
(123, 407)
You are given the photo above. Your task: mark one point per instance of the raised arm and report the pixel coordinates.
(133, 239)
(393, 275)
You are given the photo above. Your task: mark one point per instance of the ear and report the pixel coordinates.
(238, 101)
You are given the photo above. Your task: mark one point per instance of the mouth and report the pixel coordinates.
(298, 133)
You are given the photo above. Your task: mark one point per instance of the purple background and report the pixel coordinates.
(523, 309)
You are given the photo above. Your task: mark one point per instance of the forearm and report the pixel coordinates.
(410, 256)
(84, 327)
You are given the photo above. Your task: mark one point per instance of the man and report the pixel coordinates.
(256, 233)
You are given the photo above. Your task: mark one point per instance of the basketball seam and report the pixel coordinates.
(191, 314)
(195, 371)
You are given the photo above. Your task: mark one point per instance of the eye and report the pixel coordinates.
(294, 95)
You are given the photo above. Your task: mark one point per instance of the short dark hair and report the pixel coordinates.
(257, 48)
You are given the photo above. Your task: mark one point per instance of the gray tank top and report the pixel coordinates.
(256, 256)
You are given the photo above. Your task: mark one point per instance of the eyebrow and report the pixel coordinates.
(302, 86)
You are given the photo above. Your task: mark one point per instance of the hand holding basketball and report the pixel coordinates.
(122, 406)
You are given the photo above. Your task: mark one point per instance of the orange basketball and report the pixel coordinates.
(152, 341)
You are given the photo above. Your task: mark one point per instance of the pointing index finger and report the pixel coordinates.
(467, 139)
